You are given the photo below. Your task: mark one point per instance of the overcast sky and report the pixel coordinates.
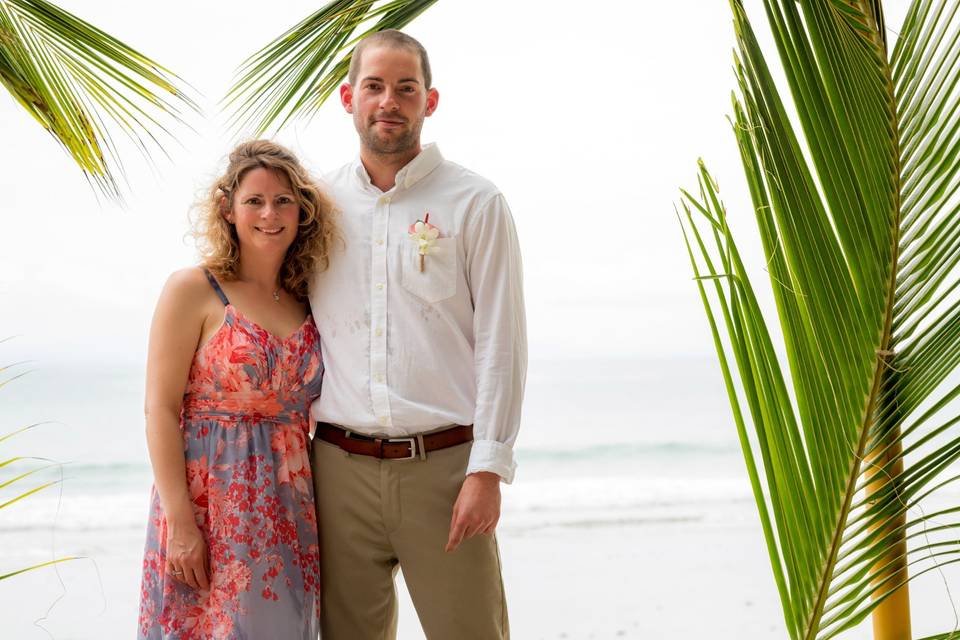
(589, 117)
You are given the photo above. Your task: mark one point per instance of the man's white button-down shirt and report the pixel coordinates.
(407, 350)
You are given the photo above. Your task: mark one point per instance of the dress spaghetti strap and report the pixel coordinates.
(216, 287)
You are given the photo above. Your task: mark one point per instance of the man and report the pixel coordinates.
(424, 335)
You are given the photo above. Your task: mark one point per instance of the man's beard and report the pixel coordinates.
(390, 145)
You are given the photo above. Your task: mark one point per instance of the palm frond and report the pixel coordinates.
(293, 75)
(39, 566)
(28, 493)
(71, 77)
(848, 426)
(5, 436)
(21, 494)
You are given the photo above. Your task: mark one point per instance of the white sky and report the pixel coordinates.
(588, 117)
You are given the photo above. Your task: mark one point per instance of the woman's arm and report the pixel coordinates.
(174, 336)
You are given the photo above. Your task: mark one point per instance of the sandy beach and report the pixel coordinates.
(632, 580)
(676, 577)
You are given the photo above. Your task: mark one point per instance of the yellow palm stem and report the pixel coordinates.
(891, 618)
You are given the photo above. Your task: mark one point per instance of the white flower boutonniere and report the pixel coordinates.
(425, 235)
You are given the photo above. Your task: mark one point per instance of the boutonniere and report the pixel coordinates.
(425, 235)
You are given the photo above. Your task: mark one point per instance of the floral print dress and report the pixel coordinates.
(245, 430)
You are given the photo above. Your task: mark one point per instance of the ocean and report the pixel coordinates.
(601, 441)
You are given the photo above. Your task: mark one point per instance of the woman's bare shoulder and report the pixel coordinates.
(188, 286)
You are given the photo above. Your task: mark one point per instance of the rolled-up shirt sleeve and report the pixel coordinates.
(495, 276)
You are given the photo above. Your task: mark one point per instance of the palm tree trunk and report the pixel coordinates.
(891, 618)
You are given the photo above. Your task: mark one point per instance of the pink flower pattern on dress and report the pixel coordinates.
(245, 430)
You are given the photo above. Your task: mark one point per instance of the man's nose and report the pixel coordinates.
(389, 100)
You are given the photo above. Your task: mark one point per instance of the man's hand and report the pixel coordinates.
(477, 509)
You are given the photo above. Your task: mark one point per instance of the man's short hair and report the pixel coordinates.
(394, 39)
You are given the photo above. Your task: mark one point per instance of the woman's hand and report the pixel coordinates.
(187, 555)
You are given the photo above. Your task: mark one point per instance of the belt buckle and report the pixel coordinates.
(413, 447)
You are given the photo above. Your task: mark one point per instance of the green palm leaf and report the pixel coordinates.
(294, 74)
(71, 76)
(38, 566)
(19, 493)
(847, 425)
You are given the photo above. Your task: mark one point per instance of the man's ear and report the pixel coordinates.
(346, 97)
(433, 99)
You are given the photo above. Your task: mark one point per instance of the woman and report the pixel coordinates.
(232, 366)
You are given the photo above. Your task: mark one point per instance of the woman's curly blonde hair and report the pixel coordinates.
(217, 238)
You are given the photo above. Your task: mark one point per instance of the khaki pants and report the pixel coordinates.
(378, 515)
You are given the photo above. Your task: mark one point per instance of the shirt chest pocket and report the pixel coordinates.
(438, 279)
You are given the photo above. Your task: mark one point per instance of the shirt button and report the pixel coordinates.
(379, 243)
(378, 378)
(382, 419)
(380, 286)
(385, 200)
(379, 332)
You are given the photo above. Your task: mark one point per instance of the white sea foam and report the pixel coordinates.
(116, 497)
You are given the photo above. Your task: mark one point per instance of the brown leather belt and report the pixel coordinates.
(393, 448)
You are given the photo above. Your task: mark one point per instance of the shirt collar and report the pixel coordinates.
(426, 161)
